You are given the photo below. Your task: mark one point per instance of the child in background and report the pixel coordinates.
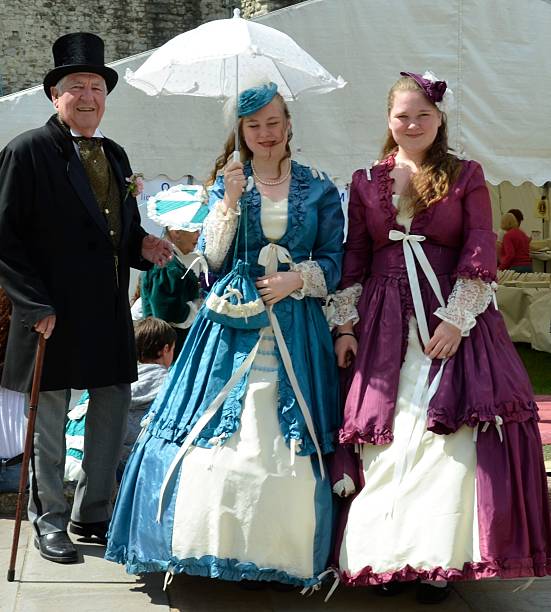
(172, 293)
(155, 341)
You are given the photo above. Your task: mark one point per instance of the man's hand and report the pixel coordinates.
(445, 341)
(276, 287)
(156, 250)
(45, 326)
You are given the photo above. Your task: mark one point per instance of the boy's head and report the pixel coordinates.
(155, 341)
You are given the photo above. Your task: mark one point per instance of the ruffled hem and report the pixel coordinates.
(439, 423)
(207, 566)
(510, 412)
(529, 567)
(385, 186)
(225, 430)
(476, 272)
(355, 436)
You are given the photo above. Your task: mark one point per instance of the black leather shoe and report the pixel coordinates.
(95, 532)
(56, 547)
(427, 594)
(390, 589)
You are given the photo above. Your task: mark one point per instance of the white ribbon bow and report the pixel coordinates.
(410, 243)
(423, 393)
(231, 291)
(271, 254)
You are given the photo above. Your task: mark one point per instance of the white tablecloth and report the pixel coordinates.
(527, 314)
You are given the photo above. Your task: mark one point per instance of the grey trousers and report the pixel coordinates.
(105, 430)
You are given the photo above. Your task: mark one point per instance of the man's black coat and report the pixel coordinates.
(56, 257)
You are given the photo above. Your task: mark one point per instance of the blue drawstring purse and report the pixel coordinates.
(234, 300)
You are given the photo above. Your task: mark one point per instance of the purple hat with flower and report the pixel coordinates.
(433, 88)
(255, 98)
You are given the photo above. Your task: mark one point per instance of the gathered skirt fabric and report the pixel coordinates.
(471, 506)
(247, 509)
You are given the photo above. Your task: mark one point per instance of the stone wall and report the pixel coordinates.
(252, 8)
(29, 27)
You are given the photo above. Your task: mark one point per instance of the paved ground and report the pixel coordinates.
(203, 595)
(99, 586)
(93, 585)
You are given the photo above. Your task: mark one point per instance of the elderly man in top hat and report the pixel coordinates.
(69, 232)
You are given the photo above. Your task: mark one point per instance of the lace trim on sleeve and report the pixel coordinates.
(469, 298)
(219, 228)
(342, 306)
(313, 280)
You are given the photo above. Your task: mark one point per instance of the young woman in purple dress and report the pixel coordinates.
(441, 454)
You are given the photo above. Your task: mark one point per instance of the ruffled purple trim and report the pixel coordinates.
(473, 272)
(438, 422)
(511, 412)
(538, 565)
(366, 437)
(385, 186)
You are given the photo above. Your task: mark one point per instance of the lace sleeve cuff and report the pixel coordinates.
(219, 228)
(342, 306)
(468, 299)
(312, 278)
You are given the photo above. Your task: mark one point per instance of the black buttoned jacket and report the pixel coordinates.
(56, 257)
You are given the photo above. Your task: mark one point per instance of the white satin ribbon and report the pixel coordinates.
(498, 422)
(423, 393)
(203, 265)
(205, 418)
(269, 257)
(235, 292)
(410, 243)
(169, 577)
(308, 591)
(494, 287)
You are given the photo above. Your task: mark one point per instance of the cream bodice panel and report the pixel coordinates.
(403, 217)
(273, 218)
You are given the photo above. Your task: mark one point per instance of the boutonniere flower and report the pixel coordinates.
(135, 184)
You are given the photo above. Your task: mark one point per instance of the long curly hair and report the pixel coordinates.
(245, 152)
(439, 168)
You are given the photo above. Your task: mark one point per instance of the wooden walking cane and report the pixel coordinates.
(35, 390)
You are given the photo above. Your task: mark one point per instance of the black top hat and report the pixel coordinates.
(79, 52)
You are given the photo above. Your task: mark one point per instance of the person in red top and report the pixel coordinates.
(515, 249)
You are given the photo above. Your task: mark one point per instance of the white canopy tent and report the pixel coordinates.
(495, 55)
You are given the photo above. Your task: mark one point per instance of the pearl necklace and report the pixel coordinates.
(269, 182)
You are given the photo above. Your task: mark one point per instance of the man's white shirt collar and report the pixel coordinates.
(97, 133)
